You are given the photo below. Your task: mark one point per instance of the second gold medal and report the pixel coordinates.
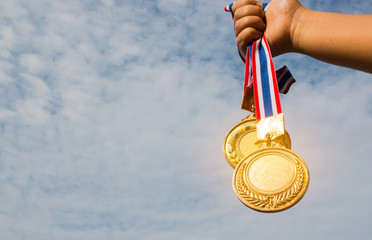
(241, 141)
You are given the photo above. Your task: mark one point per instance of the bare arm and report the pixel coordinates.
(341, 39)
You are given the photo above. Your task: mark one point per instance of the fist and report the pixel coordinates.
(251, 22)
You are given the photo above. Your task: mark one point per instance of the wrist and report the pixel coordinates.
(298, 28)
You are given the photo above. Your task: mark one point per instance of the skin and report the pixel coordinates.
(340, 39)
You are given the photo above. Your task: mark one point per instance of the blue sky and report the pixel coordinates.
(113, 114)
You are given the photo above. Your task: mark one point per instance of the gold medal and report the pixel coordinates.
(241, 140)
(271, 179)
(268, 176)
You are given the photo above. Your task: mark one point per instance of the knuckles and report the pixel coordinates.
(254, 22)
(247, 36)
(249, 10)
(240, 3)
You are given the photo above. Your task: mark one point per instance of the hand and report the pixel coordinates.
(278, 23)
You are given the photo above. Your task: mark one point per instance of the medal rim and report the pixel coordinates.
(249, 118)
(293, 156)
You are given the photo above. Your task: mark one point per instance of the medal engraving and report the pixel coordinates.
(271, 179)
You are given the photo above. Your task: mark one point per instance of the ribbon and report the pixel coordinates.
(259, 65)
(265, 86)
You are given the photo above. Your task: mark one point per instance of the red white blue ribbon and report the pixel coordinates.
(260, 72)
(265, 86)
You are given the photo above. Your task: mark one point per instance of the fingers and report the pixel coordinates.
(247, 36)
(249, 21)
(249, 10)
(240, 3)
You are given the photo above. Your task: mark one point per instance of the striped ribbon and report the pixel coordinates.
(259, 72)
(265, 86)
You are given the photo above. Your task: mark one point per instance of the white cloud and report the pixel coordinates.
(113, 115)
(32, 63)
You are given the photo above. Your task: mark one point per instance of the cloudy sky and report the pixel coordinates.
(113, 114)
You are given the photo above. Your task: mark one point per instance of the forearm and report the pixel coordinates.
(340, 39)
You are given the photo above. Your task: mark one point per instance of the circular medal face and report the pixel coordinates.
(241, 140)
(271, 179)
